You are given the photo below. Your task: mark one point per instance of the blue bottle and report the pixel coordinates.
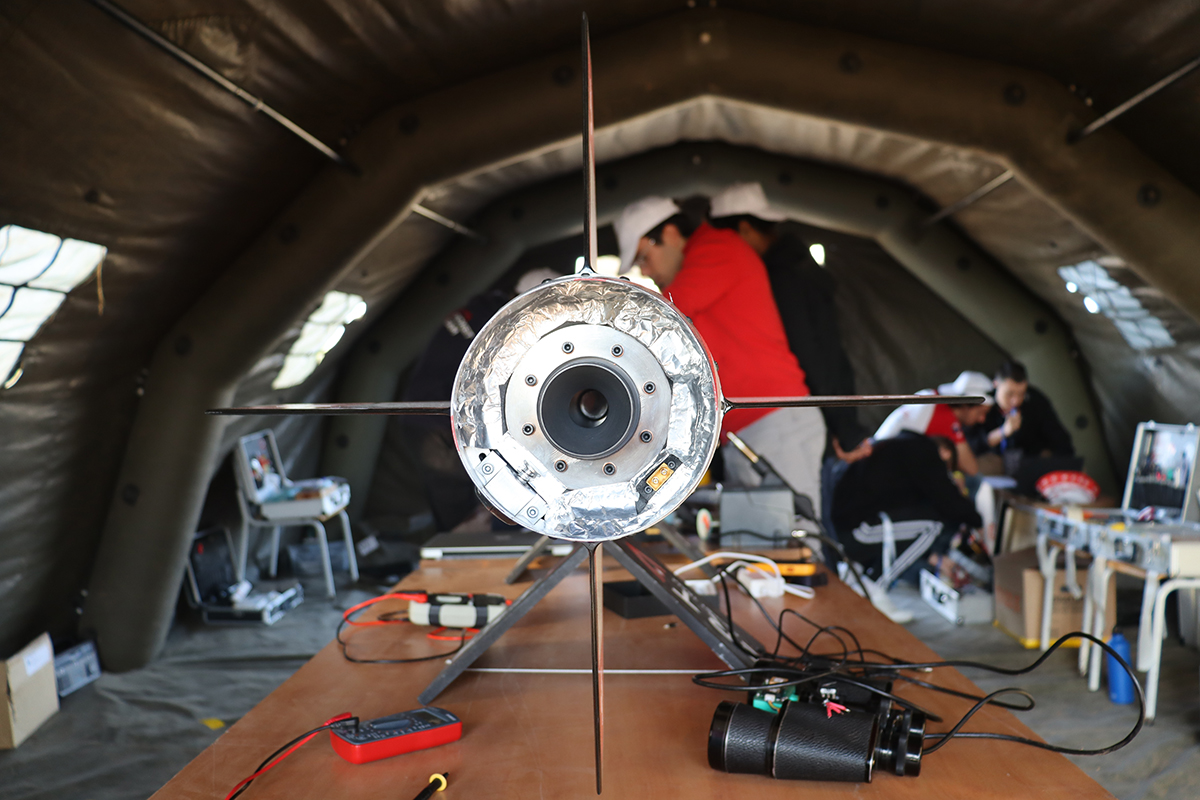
(1120, 684)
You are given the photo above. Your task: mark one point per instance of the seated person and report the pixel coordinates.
(719, 282)
(908, 478)
(804, 293)
(1022, 421)
(947, 421)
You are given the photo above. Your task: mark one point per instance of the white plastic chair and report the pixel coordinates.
(258, 469)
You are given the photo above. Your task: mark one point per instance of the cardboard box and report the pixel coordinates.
(1018, 592)
(32, 695)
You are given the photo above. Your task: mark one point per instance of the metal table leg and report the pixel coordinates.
(351, 556)
(326, 566)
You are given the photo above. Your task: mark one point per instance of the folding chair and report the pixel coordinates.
(265, 502)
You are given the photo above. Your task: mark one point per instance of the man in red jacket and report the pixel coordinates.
(720, 283)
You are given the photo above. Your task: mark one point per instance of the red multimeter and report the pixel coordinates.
(396, 734)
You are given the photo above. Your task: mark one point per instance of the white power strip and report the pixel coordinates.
(760, 584)
(756, 574)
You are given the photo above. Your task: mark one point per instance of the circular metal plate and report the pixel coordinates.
(608, 466)
(590, 343)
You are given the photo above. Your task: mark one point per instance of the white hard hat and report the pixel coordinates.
(744, 198)
(969, 382)
(638, 219)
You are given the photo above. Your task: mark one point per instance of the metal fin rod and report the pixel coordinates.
(958, 205)
(595, 556)
(154, 37)
(589, 153)
(457, 227)
(833, 400)
(439, 407)
(596, 582)
(1137, 99)
(428, 408)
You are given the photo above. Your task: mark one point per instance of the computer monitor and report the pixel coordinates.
(1162, 470)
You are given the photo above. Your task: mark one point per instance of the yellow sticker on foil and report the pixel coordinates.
(659, 477)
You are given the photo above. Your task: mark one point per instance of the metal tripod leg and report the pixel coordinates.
(680, 600)
(736, 648)
(677, 540)
(535, 550)
(496, 628)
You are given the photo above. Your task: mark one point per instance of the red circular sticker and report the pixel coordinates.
(1069, 487)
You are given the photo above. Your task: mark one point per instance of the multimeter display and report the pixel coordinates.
(393, 735)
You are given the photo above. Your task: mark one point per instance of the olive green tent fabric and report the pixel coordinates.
(108, 140)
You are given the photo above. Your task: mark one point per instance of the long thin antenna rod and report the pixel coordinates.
(409, 407)
(434, 407)
(589, 154)
(836, 400)
(154, 37)
(595, 558)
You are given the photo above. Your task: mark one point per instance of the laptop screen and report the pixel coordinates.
(1161, 467)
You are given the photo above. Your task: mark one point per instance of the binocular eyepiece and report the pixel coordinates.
(807, 741)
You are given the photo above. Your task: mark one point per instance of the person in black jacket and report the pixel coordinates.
(1022, 422)
(804, 293)
(908, 478)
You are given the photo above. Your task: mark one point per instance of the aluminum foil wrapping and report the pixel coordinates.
(607, 510)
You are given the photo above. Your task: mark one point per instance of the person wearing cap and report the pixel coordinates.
(715, 278)
(1022, 421)
(804, 293)
(940, 419)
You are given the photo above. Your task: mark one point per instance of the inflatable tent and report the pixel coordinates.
(958, 158)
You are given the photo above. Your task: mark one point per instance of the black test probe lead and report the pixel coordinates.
(388, 618)
(438, 781)
(273, 760)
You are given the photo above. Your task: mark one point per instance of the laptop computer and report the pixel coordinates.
(492, 544)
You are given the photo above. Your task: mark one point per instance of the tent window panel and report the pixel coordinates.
(339, 308)
(28, 311)
(76, 260)
(25, 254)
(10, 356)
(316, 339)
(36, 271)
(1102, 294)
(320, 334)
(295, 371)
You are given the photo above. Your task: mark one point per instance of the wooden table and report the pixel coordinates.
(530, 736)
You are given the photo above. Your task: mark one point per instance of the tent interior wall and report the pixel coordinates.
(224, 231)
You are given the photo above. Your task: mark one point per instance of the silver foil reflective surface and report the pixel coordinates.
(607, 510)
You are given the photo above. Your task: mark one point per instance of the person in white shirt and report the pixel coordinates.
(944, 420)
